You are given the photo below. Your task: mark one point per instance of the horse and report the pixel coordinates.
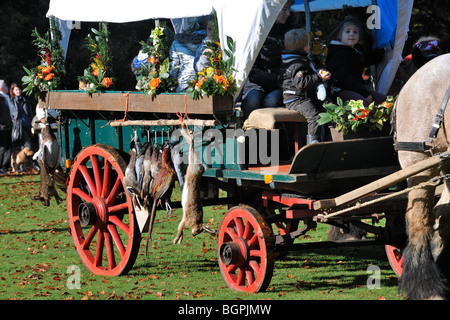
(427, 222)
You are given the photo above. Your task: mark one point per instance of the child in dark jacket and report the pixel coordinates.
(346, 63)
(302, 83)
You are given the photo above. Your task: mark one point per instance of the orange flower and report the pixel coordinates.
(225, 83)
(387, 105)
(81, 85)
(200, 82)
(218, 79)
(46, 70)
(49, 76)
(364, 113)
(95, 72)
(152, 60)
(154, 83)
(40, 75)
(107, 82)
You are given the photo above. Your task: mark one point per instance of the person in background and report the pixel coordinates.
(5, 129)
(261, 89)
(201, 60)
(189, 35)
(346, 62)
(302, 82)
(23, 112)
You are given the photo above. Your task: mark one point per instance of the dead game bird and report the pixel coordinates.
(130, 179)
(155, 161)
(162, 186)
(146, 175)
(137, 145)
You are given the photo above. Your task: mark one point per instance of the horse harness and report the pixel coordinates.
(423, 146)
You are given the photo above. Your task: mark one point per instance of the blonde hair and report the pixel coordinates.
(296, 40)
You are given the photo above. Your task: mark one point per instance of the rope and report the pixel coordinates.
(125, 118)
(435, 181)
(127, 95)
(182, 117)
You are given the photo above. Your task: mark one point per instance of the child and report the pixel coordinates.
(301, 81)
(346, 62)
(201, 60)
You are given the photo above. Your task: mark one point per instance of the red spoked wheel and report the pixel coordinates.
(245, 250)
(100, 212)
(395, 257)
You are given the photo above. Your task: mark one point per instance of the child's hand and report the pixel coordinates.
(325, 75)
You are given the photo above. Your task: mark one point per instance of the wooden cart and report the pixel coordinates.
(340, 183)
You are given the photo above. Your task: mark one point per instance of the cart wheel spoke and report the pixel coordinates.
(116, 238)
(239, 226)
(106, 178)
(241, 277)
(250, 276)
(109, 250)
(248, 231)
(245, 249)
(231, 233)
(117, 222)
(254, 265)
(256, 254)
(87, 242)
(118, 208)
(102, 219)
(96, 170)
(253, 241)
(80, 193)
(114, 192)
(99, 249)
(88, 179)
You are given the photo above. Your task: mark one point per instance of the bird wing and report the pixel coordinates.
(162, 183)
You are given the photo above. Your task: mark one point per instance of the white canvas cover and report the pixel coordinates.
(246, 21)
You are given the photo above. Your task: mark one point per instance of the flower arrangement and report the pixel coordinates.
(94, 77)
(49, 73)
(154, 77)
(352, 115)
(218, 78)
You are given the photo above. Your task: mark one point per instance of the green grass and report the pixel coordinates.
(36, 251)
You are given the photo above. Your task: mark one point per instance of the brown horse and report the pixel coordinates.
(428, 224)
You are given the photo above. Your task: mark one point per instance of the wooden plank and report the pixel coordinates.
(137, 102)
(165, 122)
(380, 183)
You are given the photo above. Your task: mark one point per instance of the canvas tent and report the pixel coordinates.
(247, 22)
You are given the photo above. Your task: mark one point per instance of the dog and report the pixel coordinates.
(21, 159)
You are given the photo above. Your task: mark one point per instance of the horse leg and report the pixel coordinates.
(421, 277)
(441, 238)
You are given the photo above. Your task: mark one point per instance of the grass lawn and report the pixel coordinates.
(37, 257)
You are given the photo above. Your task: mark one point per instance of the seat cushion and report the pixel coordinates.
(266, 118)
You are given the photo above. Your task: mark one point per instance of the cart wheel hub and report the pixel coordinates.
(93, 213)
(234, 252)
